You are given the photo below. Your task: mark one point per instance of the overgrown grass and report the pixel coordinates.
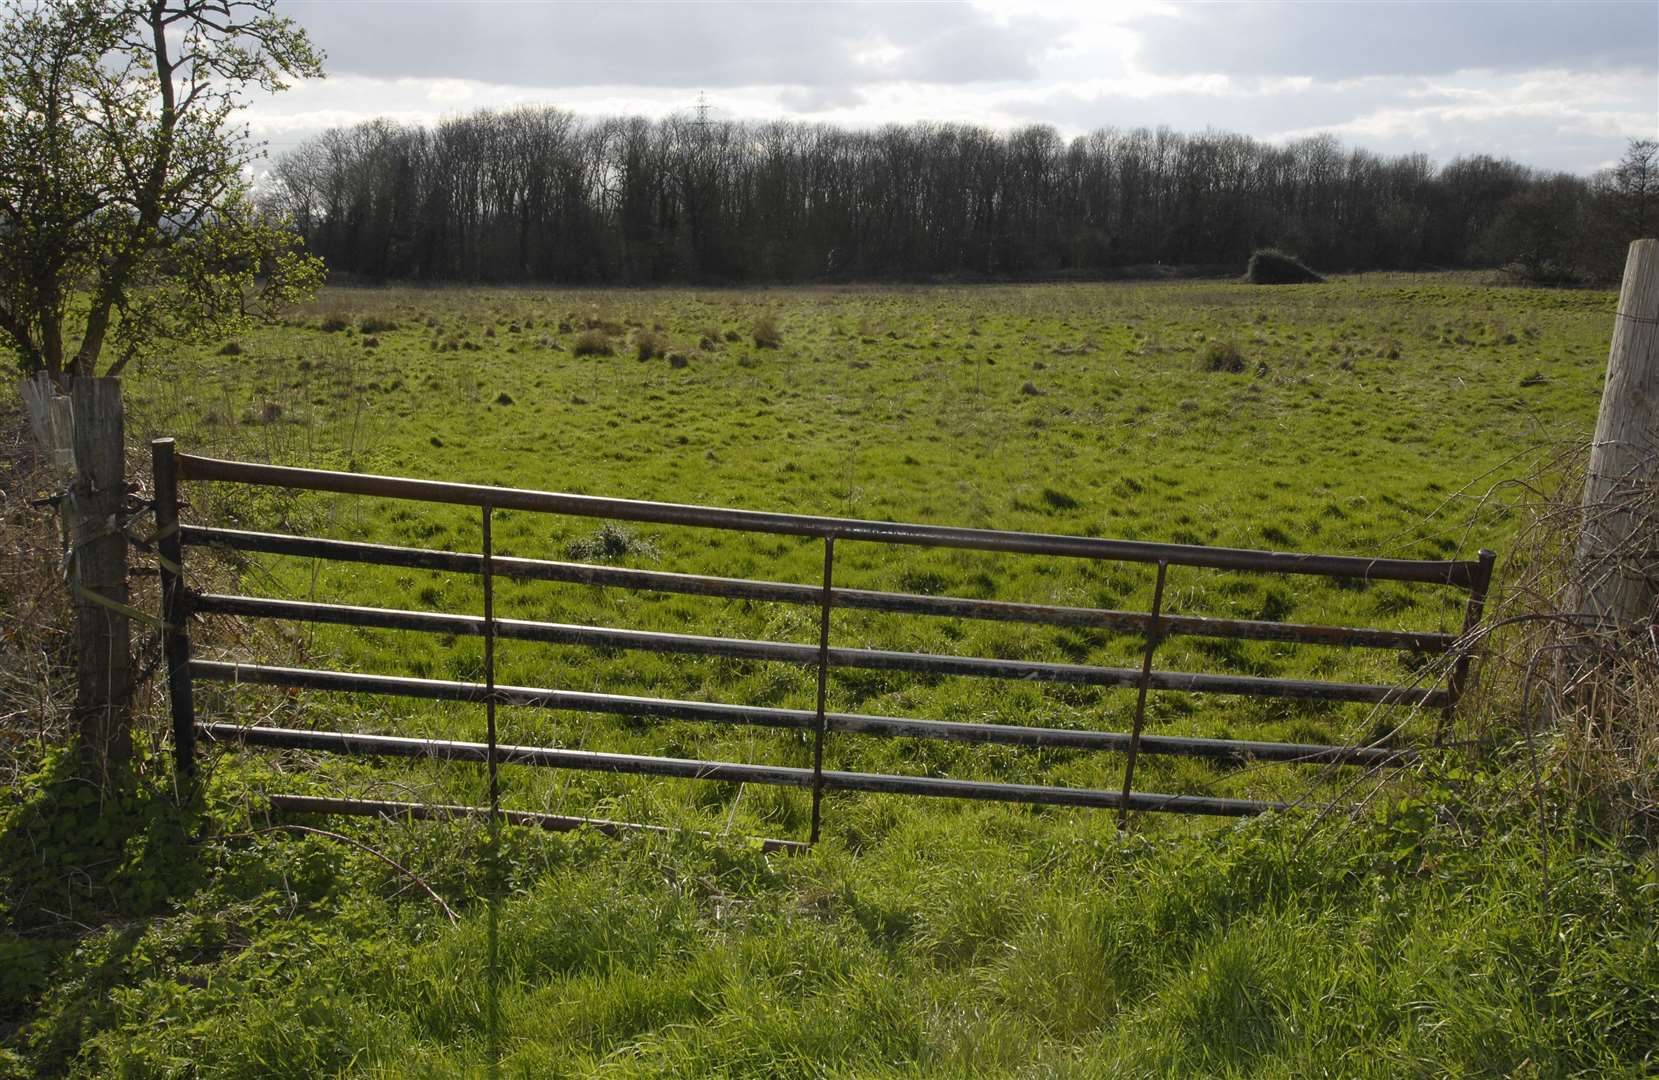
(923, 938)
(995, 942)
(1072, 409)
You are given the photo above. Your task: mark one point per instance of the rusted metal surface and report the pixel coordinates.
(1228, 750)
(818, 728)
(806, 655)
(489, 669)
(1458, 678)
(412, 811)
(1441, 572)
(174, 607)
(1140, 691)
(1130, 622)
(732, 772)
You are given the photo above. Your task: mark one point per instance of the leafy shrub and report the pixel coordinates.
(767, 334)
(1223, 356)
(609, 543)
(1270, 266)
(593, 343)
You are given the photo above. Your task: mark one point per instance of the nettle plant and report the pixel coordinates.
(126, 213)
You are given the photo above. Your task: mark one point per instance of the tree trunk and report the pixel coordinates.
(98, 570)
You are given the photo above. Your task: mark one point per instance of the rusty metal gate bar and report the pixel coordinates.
(807, 655)
(1140, 692)
(1233, 751)
(1474, 610)
(823, 684)
(1426, 571)
(489, 669)
(492, 1002)
(1130, 622)
(179, 603)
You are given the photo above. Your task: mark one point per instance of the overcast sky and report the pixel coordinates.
(1557, 85)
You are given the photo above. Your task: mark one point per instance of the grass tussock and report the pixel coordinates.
(593, 343)
(651, 345)
(767, 333)
(611, 543)
(1223, 356)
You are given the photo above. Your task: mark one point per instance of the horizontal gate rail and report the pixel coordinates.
(788, 593)
(1153, 627)
(805, 655)
(1437, 572)
(730, 772)
(1232, 750)
(382, 808)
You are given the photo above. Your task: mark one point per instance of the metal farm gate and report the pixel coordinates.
(1153, 625)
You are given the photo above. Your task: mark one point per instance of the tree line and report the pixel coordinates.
(539, 194)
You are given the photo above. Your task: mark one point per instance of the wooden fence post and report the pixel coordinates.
(1615, 565)
(98, 578)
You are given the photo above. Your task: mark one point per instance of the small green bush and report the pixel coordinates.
(593, 343)
(1270, 266)
(609, 543)
(232, 348)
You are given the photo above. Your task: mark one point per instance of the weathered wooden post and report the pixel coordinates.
(175, 607)
(1618, 547)
(98, 578)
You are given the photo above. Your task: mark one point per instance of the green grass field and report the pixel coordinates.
(1368, 418)
(1376, 415)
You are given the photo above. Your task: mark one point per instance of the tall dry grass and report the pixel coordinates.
(1571, 707)
(36, 659)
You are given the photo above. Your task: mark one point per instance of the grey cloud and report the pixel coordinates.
(1334, 40)
(670, 44)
